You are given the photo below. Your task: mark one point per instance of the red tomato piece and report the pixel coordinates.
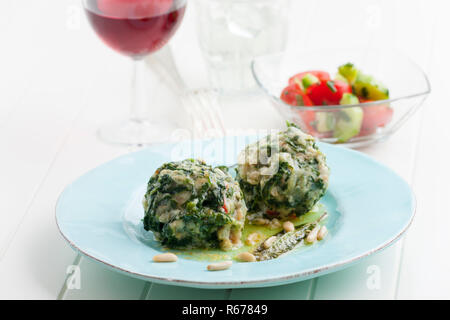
(323, 76)
(134, 9)
(294, 96)
(308, 119)
(272, 213)
(328, 93)
(375, 117)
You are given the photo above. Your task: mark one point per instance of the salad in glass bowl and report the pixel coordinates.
(348, 97)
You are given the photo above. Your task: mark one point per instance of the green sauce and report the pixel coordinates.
(213, 255)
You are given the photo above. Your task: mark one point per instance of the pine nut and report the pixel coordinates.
(239, 215)
(235, 237)
(253, 238)
(226, 244)
(312, 236)
(269, 242)
(219, 266)
(288, 226)
(322, 233)
(274, 223)
(165, 257)
(261, 221)
(246, 257)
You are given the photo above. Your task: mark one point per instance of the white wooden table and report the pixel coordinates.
(58, 83)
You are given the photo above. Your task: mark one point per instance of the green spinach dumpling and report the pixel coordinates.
(282, 174)
(190, 204)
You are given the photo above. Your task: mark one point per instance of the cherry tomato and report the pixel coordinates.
(308, 118)
(134, 9)
(323, 76)
(294, 96)
(328, 93)
(375, 117)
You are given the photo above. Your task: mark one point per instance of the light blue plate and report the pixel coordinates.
(99, 215)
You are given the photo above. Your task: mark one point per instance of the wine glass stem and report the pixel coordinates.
(139, 101)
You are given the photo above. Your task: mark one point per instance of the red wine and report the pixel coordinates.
(136, 30)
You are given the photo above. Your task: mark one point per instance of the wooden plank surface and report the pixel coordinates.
(99, 283)
(50, 140)
(426, 259)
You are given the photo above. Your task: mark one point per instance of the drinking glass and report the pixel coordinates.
(135, 28)
(232, 32)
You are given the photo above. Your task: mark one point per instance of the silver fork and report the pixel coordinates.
(201, 105)
(204, 110)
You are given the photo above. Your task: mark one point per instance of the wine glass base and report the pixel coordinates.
(136, 132)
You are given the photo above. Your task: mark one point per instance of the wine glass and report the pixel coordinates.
(135, 28)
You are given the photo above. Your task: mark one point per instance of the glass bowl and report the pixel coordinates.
(407, 83)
